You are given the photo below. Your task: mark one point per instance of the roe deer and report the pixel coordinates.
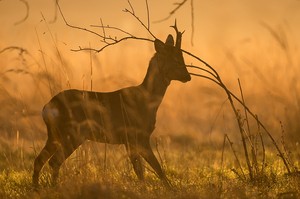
(126, 116)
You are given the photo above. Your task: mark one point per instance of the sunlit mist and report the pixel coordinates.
(253, 42)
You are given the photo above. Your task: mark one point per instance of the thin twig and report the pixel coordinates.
(222, 160)
(203, 69)
(262, 145)
(113, 28)
(238, 118)
(288, 157)
(138, 19)
(205, 77)
(148, 15)
(179, 5)
(242, 131)
(192, 22)
(132, 10)
(250, 138)
(245, 111)
(235, 155)
(103, 29)
(76, 27)
(111, 44)
(55, 13)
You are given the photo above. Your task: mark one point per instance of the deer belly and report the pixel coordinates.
(95, 131)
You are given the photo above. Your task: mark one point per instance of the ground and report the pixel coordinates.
(195, 171)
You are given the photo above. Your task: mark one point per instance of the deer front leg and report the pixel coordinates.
(149, 156)
(136, 161)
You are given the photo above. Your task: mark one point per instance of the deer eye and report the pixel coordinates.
(177, 59)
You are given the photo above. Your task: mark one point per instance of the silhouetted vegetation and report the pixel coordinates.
(245, 154)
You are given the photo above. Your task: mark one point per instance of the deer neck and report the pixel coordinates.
(155, 84)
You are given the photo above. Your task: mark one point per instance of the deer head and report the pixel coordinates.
(170, 58)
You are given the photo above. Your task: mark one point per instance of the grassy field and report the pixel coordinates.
(196, 170)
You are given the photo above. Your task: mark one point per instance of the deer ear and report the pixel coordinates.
(170, 40)
(159, 45)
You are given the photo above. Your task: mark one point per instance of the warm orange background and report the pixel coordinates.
(230, 35)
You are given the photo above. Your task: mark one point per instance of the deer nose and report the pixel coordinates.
(187, 78)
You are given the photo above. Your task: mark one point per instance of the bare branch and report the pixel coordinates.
(205, 77)
(27, 12)
(202, 61)
(103, 29)
(113, 28)
(76, 27)
(116, 41)
(205, 70)
(107, 39)
(236, 157)
(179, 5)
(142, 23)
(132, 10)
(232, 96)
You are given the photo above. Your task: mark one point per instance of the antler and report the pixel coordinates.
(178, 36)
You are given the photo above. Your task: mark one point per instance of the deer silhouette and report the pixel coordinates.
(126, 116)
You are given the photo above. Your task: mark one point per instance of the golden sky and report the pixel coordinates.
(225, 22)
(222, 28)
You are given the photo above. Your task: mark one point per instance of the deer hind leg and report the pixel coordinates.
(65, 150)
(48, 150)
(136, 161)
(55, 162)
